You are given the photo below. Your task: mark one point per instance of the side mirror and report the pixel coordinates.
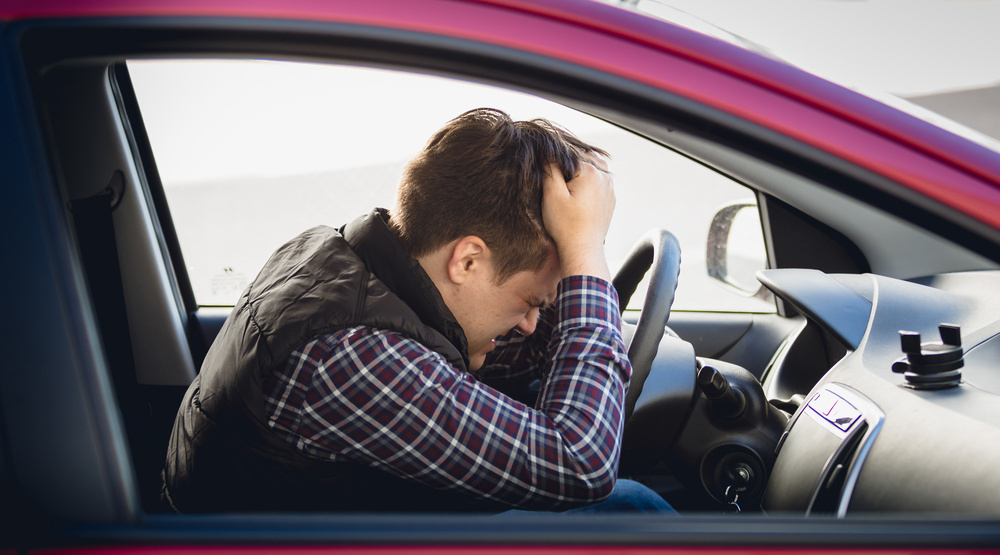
(735, 250)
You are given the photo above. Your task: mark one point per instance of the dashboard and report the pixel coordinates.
(884, 430)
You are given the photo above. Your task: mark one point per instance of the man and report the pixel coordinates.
(352, 373)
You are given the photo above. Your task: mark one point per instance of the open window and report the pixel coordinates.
(250, 153)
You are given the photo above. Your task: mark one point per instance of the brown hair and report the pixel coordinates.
(481, 175)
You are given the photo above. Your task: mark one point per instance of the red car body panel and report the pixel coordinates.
(482, 550)
(950, 170)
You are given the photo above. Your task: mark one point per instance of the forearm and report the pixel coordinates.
(566, 451)
(435, 425)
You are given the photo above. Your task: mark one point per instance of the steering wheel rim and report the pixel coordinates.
(659, 253)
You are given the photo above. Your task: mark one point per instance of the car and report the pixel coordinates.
(824, 379)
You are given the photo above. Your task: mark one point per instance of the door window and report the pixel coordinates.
(251, 153)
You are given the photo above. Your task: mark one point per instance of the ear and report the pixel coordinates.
(469, 256)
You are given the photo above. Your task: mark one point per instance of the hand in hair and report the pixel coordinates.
(577, 215)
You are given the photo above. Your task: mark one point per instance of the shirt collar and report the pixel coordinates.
(379, 249)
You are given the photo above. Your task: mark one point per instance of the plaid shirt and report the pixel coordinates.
(381, 399)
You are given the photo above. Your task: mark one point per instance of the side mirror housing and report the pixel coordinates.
(735, 249)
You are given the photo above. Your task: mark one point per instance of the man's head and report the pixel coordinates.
(482, 175)
(470, 210)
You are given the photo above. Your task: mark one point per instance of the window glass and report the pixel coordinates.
(251, 153)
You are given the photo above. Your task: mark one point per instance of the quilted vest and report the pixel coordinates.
(222, 455)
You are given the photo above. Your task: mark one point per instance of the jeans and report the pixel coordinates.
(627, 497)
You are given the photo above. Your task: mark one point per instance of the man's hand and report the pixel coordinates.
(577, 215)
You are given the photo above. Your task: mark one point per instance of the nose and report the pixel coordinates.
(527, 325)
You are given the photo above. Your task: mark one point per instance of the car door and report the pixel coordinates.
(81, 458)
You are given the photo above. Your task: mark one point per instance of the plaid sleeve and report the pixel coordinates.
(515, 365)
(384, 400)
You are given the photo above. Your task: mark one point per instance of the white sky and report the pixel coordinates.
(302, 110)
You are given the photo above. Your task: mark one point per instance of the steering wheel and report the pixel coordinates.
(659, 253)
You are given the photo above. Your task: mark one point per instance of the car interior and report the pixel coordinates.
(869, 388)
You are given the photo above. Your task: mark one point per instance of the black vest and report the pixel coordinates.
(222, 455)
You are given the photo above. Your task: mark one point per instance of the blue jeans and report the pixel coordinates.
(627, 497)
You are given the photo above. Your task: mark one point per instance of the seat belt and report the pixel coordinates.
(99, 250)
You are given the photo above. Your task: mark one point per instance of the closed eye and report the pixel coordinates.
(538, 303)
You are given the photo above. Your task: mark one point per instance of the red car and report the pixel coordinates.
(830, 374)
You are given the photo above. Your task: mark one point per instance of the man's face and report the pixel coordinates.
(489, 310)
